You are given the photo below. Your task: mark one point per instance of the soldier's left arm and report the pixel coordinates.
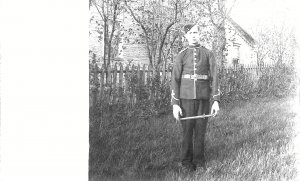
(214, 76)
(215, 84)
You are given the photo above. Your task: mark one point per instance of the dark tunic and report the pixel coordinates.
(194, 82)
(191, 61)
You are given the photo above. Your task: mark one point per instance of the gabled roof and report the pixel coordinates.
(245, 35)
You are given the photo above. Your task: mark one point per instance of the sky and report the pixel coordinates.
(249, 13)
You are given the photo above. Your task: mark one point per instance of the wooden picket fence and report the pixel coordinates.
(112, 83)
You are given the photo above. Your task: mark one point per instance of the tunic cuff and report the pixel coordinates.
(216, 97)
(175, 101)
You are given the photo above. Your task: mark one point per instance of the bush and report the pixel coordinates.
(236, 84)
(239, 84)
(278, 81)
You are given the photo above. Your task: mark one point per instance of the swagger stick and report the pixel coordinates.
(197, 117)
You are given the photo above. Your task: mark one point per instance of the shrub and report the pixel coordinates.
(278, 81)
(240, 84)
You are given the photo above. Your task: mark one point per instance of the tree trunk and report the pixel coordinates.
(105, 42)
(219, 45)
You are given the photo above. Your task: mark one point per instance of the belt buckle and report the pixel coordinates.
(194, 77)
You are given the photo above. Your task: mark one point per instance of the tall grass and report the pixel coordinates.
(249, 140)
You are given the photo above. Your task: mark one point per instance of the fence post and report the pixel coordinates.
(143, 74)
(150, 81)
(102, 74)
(155, 73)
(148, 75)
(121, 80)
(126, 82)
(138, 74)
(164, 72)
(133, 88)
(95, 82)
(114, 86)
(169, 73)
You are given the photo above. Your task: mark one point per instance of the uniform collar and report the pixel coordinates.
(194, 46)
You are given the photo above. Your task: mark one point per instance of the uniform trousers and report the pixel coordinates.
(192, 150)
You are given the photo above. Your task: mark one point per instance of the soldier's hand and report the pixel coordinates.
(215, 108)
(176, 112)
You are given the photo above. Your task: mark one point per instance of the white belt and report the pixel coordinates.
(195, 76)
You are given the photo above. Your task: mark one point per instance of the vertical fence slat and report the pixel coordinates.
(164, 72)
(115, 76)
(154, 74)
(113, 82)
(114, 87)
(132, 88)
(148, 75)
(121, 80)
(170, 72)
(126, 82)
(96, 84)
(102, 73)
(108, 75)
(143, 74)
(138, 74)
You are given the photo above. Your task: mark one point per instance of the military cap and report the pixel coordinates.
(188, 27)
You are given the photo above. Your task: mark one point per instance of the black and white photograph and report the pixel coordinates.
(192, 90)
(149, 90)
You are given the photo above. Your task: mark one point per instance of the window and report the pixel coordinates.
(236, 49)
(235, 61)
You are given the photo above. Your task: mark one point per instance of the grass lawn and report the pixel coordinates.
(247, 141)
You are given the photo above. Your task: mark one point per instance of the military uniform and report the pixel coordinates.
(194, 82)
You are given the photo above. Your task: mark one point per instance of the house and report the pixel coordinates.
(240, 45)
(128, 49)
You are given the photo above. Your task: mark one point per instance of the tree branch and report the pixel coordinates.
(210, 13)
(102, 15)
(230, 9)
(144, 30)
(163, 41)
(115, 5)
(114, 21)
(171, 44)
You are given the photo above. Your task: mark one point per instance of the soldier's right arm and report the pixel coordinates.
(176, 80)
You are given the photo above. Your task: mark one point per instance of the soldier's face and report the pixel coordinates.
(193, 36)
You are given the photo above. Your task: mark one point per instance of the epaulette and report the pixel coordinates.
(203, 47)
(206, 49)
(183, 50)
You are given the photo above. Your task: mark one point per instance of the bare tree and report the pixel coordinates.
(109, 10)
(217, 13)
(156, 18)
(262, 46)
(275, 42)
(283, 44)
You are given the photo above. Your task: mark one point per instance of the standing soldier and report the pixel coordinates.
(194, 82)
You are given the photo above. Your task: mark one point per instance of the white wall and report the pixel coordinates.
(238, 47)
(94, 44)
